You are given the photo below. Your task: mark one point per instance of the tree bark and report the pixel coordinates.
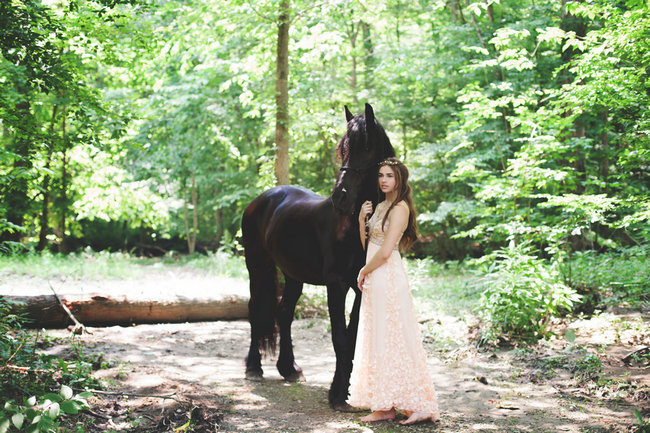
(63, 246)
(191, 235)
(42, 235)
(369, 55)
(353, 31)
(282, 97)
(44, 311)
(15, 194)
(218, 226)
(604, 169)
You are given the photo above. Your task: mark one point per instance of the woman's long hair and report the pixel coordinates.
(403, 190)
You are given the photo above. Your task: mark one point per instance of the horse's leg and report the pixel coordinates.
(286, 363)
(262, 308)
(353, 325)
(338, 393)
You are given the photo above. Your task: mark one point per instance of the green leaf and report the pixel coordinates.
(570, 336)
(66, 392)
(4, 425)
(54, 410)
(52, 397)
(69, 407)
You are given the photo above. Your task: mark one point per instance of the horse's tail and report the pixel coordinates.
(263, 303)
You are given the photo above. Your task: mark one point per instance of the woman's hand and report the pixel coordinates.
(362, 278)
(366, 209)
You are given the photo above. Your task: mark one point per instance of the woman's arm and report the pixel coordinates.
(398, 220)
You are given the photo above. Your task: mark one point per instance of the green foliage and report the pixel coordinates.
(444, 287)
(643, 426)
(588, 368)
(41, 414)
(621, 276)
(521, 294)
(28, 375)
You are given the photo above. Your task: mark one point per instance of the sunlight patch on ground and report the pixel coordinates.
(337, 426)
(485, 427)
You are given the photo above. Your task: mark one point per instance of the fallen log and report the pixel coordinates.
(45, 311)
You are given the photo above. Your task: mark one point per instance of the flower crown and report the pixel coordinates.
(389, 162)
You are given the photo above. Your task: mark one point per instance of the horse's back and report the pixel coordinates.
(286, 221)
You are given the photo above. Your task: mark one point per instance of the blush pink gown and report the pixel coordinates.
(390, 368)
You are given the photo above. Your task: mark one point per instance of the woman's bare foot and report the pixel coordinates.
(414, 417)
(379, 415)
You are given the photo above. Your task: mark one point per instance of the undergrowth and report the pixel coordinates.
(37, 388)
(621, 277)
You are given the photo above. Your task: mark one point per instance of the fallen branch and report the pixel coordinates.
(95, 414)
(640, 351)
(78, 326)
(22, 343)
(128, 394)
(429, 319)
(22, 369)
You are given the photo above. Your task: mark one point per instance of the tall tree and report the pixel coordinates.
(282, 95)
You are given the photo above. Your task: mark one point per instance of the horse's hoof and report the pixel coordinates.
(344, 407)
(295, 377)
(255, 375)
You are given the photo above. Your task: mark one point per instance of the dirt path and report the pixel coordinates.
(202, 365)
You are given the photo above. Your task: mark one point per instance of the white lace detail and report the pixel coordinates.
(376, 234)
(390, 369)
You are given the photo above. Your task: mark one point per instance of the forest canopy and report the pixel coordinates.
(148, 125)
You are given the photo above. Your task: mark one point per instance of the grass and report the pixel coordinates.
(450, 288)
(98, 265)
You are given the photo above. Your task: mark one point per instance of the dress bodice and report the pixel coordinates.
(376, 234)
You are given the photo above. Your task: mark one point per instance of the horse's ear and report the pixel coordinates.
(370, 115)
(348, 115)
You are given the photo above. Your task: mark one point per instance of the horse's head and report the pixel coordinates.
(362, 147)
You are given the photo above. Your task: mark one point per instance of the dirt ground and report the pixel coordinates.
(199, 368)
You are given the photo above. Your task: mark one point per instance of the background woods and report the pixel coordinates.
(142, 128)
(149, 125)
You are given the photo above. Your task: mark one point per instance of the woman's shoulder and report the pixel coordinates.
(401, 207)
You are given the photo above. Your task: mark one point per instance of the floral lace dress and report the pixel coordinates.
(390, 369)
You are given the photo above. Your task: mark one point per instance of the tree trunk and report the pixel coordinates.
(353, 31)
(63, 247)
(219, 226)
(191, 235)
(282, 97)
(573, 23)
(15, 198)
(42, 235)
(369, 55)
(604, 169)
(195, 212)
(98, 310)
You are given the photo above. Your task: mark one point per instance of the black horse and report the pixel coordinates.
(314, 240)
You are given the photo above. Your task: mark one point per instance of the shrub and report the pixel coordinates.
(522, 292)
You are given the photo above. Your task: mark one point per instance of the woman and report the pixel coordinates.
(390, 370)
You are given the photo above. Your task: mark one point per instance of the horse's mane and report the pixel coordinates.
(356, 136)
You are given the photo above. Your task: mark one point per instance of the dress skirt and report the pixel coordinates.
(390, 369)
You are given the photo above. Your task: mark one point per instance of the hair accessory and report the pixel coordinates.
(389, 162)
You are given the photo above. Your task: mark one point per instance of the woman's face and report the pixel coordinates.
(386, 179)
